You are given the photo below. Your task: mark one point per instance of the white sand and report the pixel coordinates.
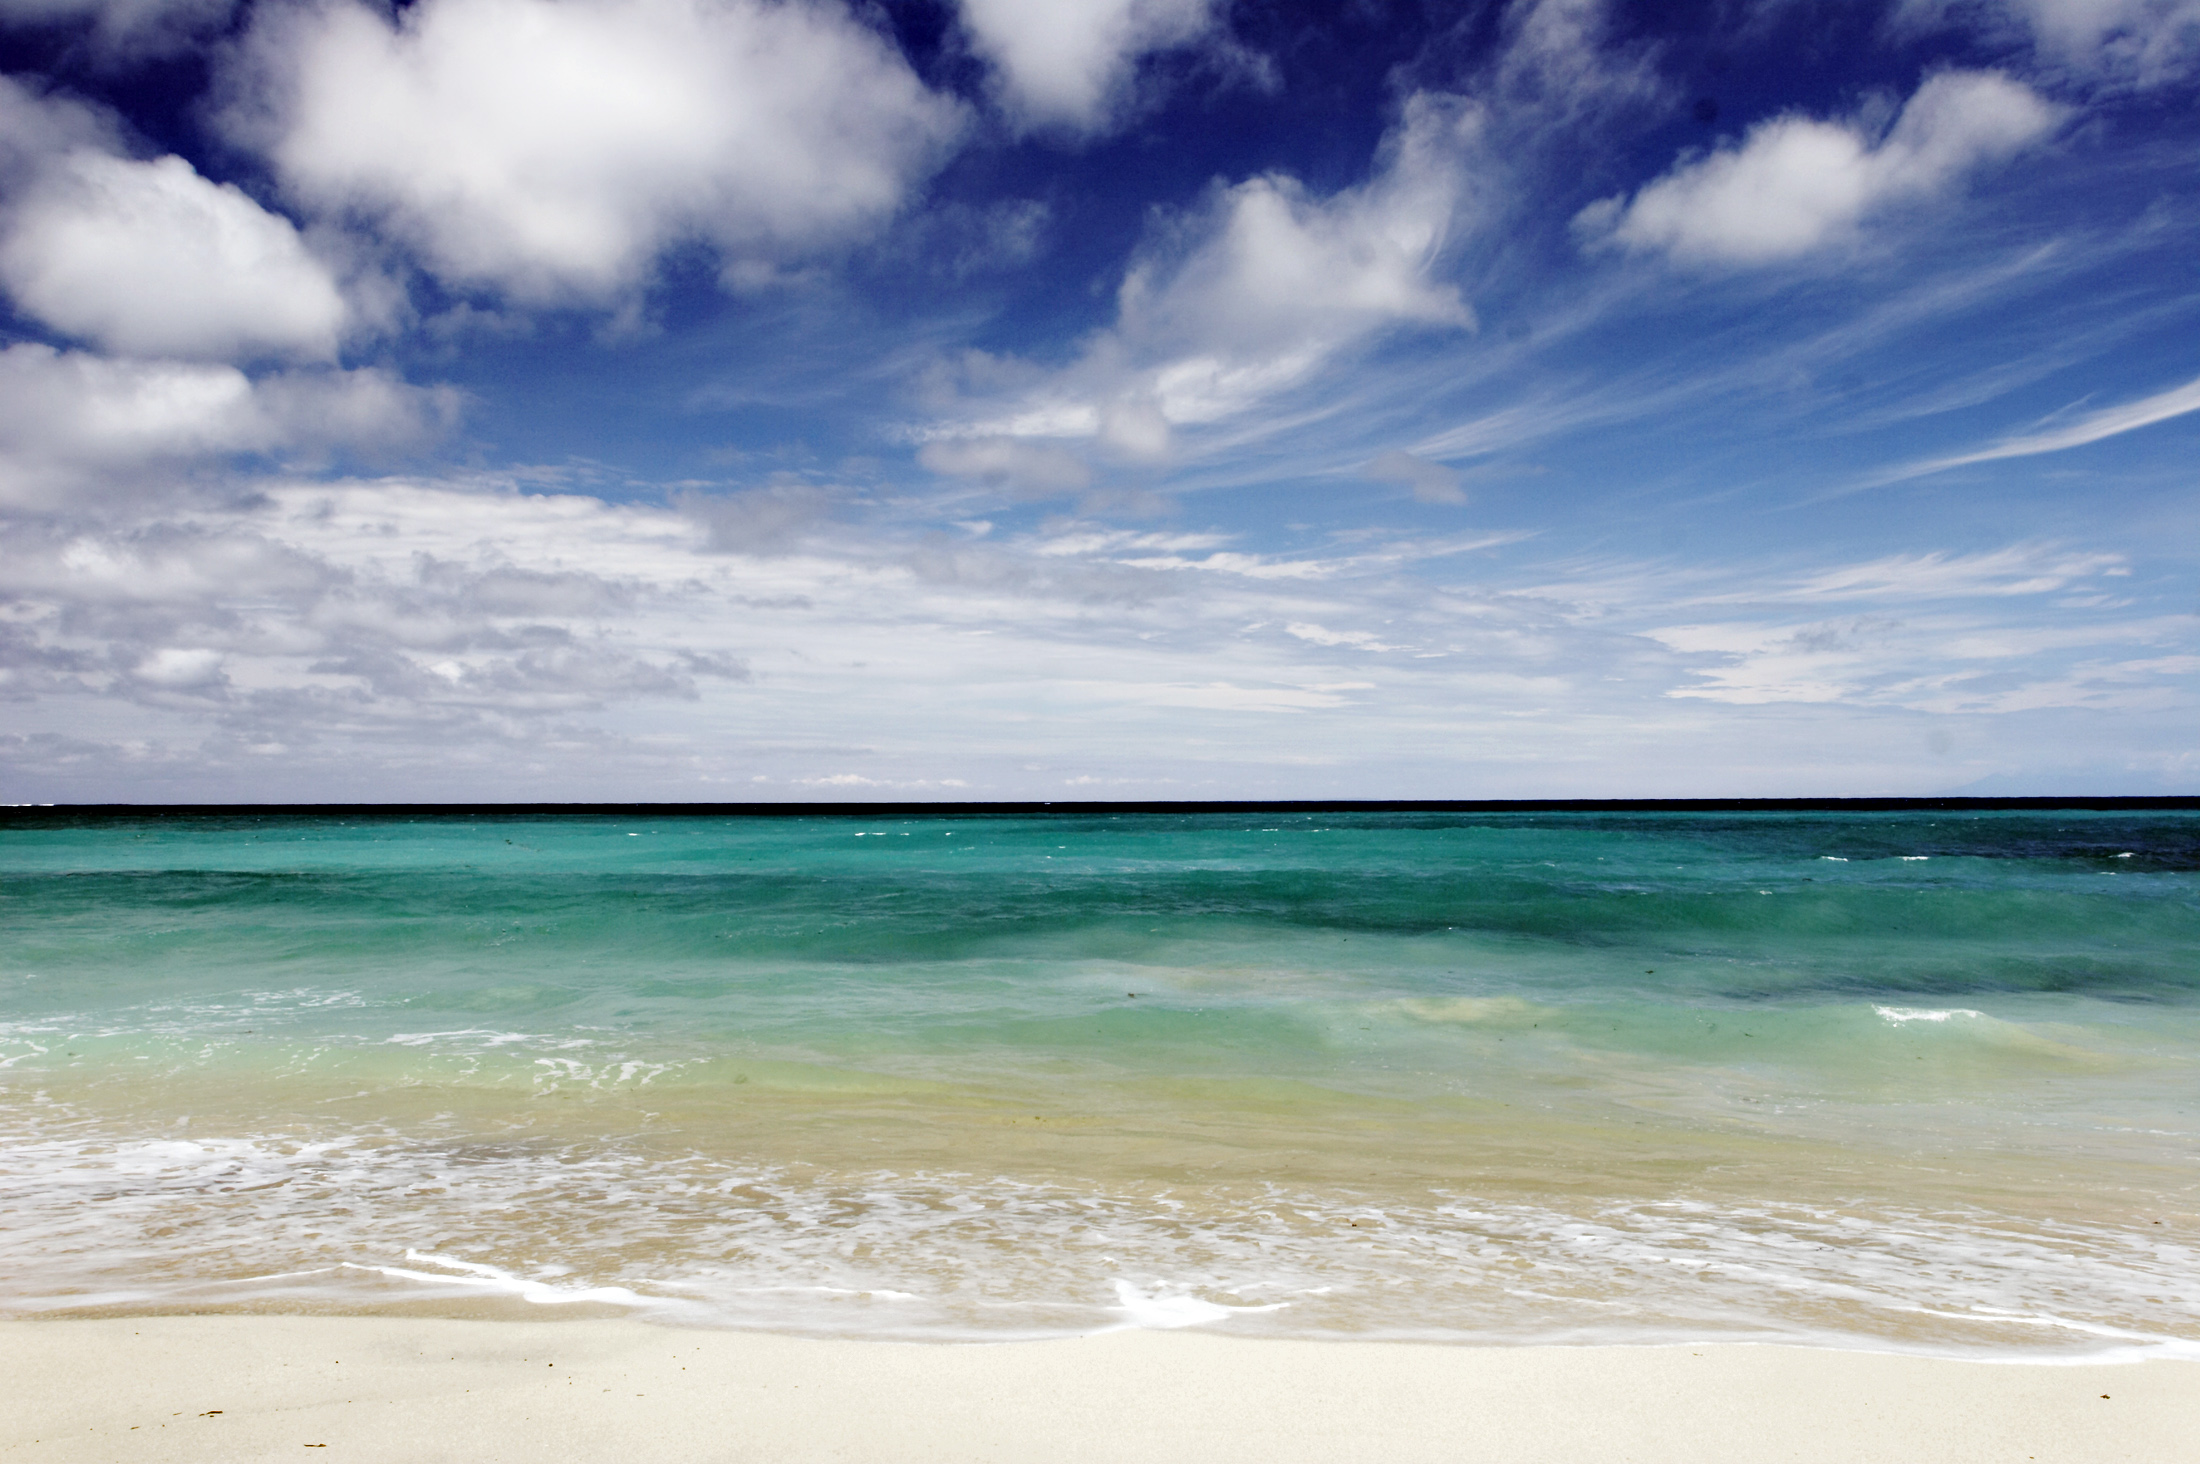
(376, 1388)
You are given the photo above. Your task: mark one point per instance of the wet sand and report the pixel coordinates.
(236, 1388)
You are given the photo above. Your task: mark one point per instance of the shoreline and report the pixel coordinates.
(233, 1388)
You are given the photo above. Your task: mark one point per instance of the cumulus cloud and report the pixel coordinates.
(36, 128)
(78, 428)
(1251, 293)
(766, 520)
(1067, 63)
(150, 259)
(551, 148)
(1270, 271)
(1795, 185)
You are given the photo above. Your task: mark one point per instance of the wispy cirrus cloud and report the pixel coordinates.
(2138, 44)
(2082, 431)
(2018, 569)
(1987, 632)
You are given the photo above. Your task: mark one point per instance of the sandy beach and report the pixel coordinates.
(234, 1388)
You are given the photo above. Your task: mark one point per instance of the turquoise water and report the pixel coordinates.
(1921, 1080)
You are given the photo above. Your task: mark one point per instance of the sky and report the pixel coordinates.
(791, 400)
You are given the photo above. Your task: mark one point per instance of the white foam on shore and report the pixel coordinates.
(1896, 1016)
(1167, 1311)
(377, 1219)
(495, 1280)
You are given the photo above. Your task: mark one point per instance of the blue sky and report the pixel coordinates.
(706, 399)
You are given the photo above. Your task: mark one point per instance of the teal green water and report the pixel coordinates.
(1921, 1080)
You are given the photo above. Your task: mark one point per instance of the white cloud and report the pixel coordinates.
(1211, 696)
(1086, 540)
(1993, 631)
(1431, 482)
(1795, 185)
(174, 273)
(1066, 63)
(1560, 65)
(1273, 272)
(1027, 468)
(1322, 635)
(553, 147)
(399, 639)
(2020, 569)
(1231, 310)
(370, 610)
(1253, 293)
(2089, 428)
(1941, 663)
(179, 668)
(767, 520)
(77, 428)
(36, 128)
(1135, 429)
(150, 259)
(2117, 43)
(123, 29)
(2148, 41)
(857, 780)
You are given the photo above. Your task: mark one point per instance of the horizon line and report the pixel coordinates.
(22, 812)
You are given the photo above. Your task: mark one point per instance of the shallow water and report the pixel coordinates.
(1918, 1080)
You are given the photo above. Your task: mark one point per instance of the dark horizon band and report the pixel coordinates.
(23, 814)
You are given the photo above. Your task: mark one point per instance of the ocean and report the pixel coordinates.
(1914, 1080)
